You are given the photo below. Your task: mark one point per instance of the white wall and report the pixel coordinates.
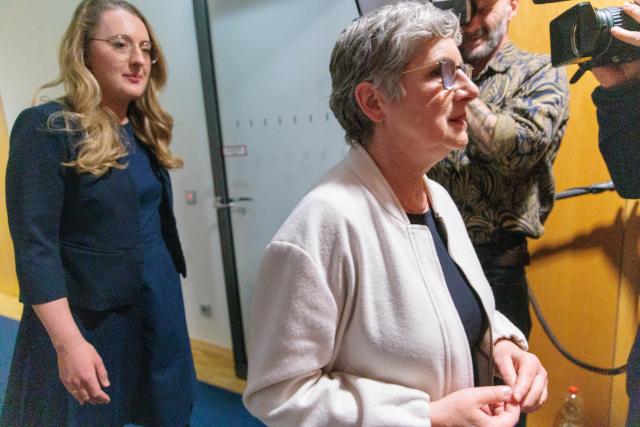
(30, 32)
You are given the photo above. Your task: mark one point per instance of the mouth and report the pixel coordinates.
(462, 118)
(133, 78)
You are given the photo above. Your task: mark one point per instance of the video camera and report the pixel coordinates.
(581, 36)
(465, 9)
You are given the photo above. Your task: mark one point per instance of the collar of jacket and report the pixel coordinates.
(365, 169)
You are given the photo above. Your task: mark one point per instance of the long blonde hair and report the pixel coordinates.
(102, 147)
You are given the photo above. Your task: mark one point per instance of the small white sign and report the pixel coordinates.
(234, 150)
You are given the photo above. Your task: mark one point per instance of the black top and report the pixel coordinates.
(465, 299)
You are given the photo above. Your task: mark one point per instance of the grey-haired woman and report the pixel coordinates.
(371, 307)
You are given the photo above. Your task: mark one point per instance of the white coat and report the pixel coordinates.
(352, 322)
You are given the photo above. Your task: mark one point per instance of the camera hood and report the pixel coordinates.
(574, 35)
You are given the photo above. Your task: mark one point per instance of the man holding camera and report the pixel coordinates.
(617, 100)
(502, 181)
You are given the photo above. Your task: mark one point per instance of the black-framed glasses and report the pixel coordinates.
(124, 47)
(448, 70)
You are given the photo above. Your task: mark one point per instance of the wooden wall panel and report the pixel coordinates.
(584, 268)
(8, 281)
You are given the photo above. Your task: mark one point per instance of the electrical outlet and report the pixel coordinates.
(205, 310)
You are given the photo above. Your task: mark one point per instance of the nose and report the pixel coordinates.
(465, 90)
(137, 56)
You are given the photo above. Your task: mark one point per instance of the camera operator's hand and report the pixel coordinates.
(631, 37)
(613, 75)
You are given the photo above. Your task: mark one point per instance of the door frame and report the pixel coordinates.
(218, 169)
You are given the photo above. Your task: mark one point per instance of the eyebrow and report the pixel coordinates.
(432, 63)
(126, 36)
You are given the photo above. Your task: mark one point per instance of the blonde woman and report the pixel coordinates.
(103, 338)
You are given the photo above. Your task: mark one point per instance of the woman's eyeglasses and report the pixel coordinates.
(448, 70)
(124, 47)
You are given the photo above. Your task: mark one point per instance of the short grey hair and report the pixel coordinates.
(377, 48)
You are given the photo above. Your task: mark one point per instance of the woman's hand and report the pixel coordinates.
(80, 368)
(523, 372)
(83, 374)
(476, 407)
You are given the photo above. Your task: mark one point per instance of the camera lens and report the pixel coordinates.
(606, 19)
(575, 41)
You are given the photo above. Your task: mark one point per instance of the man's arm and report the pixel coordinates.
(514, 137)
(482, 122)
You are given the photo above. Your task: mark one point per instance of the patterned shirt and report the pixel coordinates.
(511, 188)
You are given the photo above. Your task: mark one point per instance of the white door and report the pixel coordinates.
(277, 133)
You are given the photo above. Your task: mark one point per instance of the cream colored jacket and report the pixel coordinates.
(352, 321)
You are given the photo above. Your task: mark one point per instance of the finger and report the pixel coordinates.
(531, 400)
(507, 415)
(96, 394)
(101, 371)
(529, 368)
(512, 409)
(92, 386)
(505, 418)
(100, 397)
(81, 396)
(631, 37)
(507, 353)
(98, 401)
(497, 409)
(543, 398)
(631, 9)
(493, 394)
(545, 394)
(507, 370)
(487, 409)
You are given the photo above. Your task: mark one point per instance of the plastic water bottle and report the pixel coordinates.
(572, 412)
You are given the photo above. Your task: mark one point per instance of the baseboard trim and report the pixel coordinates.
(10, 306)
(214, 365)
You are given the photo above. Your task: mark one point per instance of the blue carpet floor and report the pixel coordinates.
(213, 407)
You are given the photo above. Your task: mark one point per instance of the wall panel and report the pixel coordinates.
(8, 281)
(584, 267)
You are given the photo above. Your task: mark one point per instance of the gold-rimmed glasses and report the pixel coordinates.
(124, 47)
(448, 70)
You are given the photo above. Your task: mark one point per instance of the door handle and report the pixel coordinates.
(220, 204)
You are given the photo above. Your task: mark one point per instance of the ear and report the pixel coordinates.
(370, 100)
(514, 9)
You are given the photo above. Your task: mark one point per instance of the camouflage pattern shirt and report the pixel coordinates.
(511, 187)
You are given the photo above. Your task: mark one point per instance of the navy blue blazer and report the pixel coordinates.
(75, 235)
